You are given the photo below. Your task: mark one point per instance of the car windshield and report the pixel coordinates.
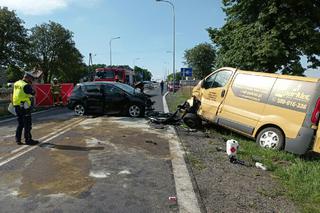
(129, 89)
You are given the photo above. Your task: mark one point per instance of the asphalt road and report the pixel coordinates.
(87, 164)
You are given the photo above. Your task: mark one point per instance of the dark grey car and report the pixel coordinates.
(108, 98)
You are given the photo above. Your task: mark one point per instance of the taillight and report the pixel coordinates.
(316, 113)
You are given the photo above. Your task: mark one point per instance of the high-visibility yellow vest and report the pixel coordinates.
(19, 95)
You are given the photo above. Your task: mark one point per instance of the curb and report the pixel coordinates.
(186, 196)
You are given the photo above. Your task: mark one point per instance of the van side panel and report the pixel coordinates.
(245, 101)
(291, 104)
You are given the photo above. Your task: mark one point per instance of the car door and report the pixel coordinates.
(115, 99)
(93, 98)
(214, 89)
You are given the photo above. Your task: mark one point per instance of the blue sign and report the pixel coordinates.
(186, 72)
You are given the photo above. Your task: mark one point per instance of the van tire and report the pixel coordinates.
(271, 138)
(192, 121)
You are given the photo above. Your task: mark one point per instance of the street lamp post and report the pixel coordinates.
(111, 49)
(134, 61)
(174, 40)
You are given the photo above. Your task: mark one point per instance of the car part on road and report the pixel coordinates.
(79, 110)
(271, 138)
(168, 118)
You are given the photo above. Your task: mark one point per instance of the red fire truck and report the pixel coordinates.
(121, 74)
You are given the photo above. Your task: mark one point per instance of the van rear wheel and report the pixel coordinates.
(271, 138)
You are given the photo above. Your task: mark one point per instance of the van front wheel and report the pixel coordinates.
(271, 138)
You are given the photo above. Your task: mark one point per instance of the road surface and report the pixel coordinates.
(87, 164)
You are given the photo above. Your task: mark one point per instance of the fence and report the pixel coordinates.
(43, 95)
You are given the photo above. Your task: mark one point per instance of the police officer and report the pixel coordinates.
(22, 101)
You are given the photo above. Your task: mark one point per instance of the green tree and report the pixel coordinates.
(53, 51)
(269, 35)
(142, 74)
(13, 39)
(14, 73)
(170, 77)
(201, 58)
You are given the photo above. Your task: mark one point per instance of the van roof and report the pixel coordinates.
(275, 75)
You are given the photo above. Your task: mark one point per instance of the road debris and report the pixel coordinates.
(173, 198)
(152, 142)
(261, 166)
(232, 148)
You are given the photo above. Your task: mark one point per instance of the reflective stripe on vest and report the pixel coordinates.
(19, 95)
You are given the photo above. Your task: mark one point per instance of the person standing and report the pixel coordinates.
(22, 101)
(161, 86)
(56, 92)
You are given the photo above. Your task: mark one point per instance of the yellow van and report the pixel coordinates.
(279, 111)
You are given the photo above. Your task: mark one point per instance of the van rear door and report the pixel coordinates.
(214, 89)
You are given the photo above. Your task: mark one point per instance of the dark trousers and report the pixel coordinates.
(24, 122)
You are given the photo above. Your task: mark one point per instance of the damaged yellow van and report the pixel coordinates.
(279, 111)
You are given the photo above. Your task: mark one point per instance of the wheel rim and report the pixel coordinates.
(79, 110)
(269, 139)
(134, 111)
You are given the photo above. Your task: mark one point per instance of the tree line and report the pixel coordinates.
(267, 36)
(48, 47)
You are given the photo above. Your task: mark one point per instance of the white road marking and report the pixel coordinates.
(187, 199)
(99, 174)
(56, 134)
(124, 172)
(42, 138)
(35, 113)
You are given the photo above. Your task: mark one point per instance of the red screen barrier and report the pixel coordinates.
(43, 94)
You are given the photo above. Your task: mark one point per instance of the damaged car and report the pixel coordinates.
(108, 98)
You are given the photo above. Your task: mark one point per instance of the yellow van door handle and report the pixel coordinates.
(223, 92)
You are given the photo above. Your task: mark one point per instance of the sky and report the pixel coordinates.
(145, 28)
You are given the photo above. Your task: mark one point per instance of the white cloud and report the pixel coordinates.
(35, 7)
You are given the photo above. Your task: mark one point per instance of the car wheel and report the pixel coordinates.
(192, 121)
(271, 138)
(79, 110)
(135, 110)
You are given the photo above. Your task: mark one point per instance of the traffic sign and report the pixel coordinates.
(186, 72)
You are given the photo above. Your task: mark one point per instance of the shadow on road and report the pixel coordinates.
(68, 147)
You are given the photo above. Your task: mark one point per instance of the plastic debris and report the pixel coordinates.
(232, 148)
(173, 198)
(261, 166)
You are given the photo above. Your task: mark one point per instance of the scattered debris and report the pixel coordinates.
(232, 148)
(220, 149)
(152, 142)
(173, 198)
(261, 166)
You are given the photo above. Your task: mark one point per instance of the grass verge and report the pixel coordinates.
(299, 175)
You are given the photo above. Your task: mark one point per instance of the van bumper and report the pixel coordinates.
(300, 144)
